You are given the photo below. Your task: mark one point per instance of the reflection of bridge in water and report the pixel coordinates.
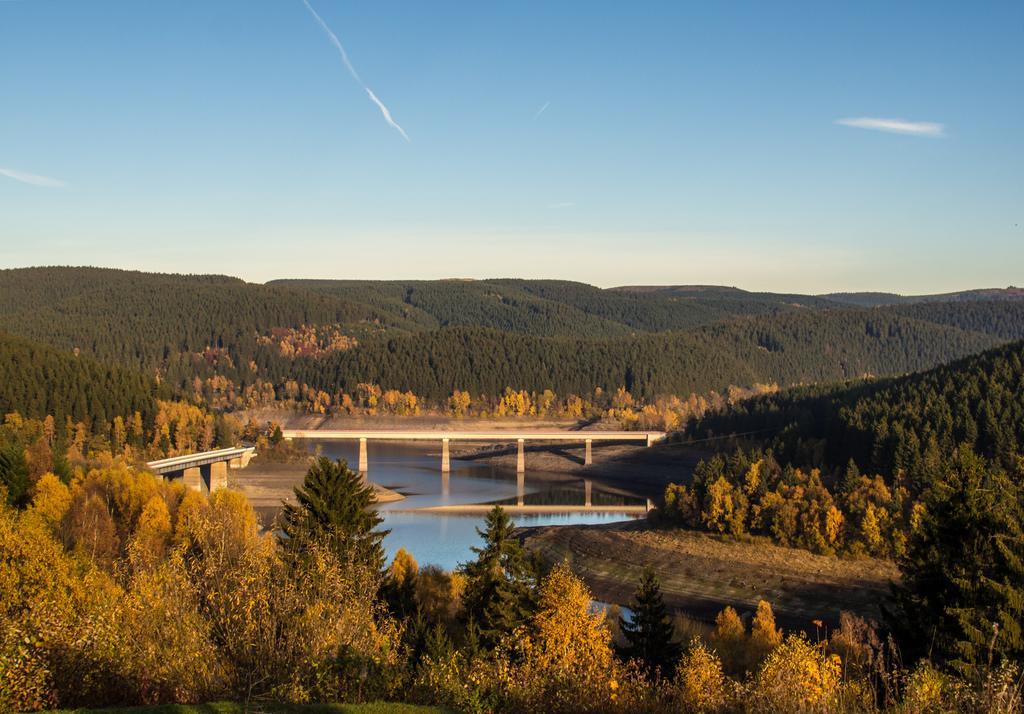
(521, 507)
(446, 437)
(522, 510)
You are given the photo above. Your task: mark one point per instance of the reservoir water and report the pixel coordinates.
(444, 539)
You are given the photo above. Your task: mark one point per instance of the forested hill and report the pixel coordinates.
(906, 424)
(143, 319)
(38, 381)
(877, 299)
(431, 337)
(556, 307)
(786, 349)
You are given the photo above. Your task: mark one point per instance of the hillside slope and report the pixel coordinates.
(37, 381)
(906, 424)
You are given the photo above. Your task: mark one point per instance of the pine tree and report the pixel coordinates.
(649, 632)
(961, 602)
(334, 503)
(501, 583)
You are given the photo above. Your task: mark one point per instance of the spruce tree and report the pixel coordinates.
(335, 505)
(649, 632)
(501, 583)
(14, 474)
(961, 601)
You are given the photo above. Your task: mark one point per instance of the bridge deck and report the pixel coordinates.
(188, 461)
(503, 435)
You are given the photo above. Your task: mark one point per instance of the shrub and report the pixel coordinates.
(796, 676)
(700, 685)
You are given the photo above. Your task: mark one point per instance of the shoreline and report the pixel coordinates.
(270, 484)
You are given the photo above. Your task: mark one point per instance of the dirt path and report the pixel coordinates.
(700, 573)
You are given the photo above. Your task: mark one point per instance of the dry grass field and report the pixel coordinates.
(701, 573)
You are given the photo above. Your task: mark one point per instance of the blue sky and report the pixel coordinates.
(613, 143)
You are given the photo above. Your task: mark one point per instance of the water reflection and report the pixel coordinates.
(446, 539)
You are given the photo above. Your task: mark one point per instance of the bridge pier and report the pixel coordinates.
(193, 479)
(588, 455)
(521, 458)
(446, 465)
(520, 488)
(445, 486)
(587, 488)
(363, 461)
(218, 475)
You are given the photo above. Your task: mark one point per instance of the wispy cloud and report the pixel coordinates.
(895, 126)
(385, 112)
(542, 109)
(561, 204)
(33, 179)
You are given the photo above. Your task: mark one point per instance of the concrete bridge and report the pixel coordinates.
(446, 437)
(206, 471)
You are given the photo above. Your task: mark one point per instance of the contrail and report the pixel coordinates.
(352, 70)
(335, 41)
(387, 114)
(32, 179)
(542, 109)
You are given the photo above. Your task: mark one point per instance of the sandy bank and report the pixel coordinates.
(267, 485)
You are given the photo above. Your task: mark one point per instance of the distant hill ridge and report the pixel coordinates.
(860, 299)
(435, 336)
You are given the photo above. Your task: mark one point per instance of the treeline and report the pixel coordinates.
(750, 493)
(904, 426)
